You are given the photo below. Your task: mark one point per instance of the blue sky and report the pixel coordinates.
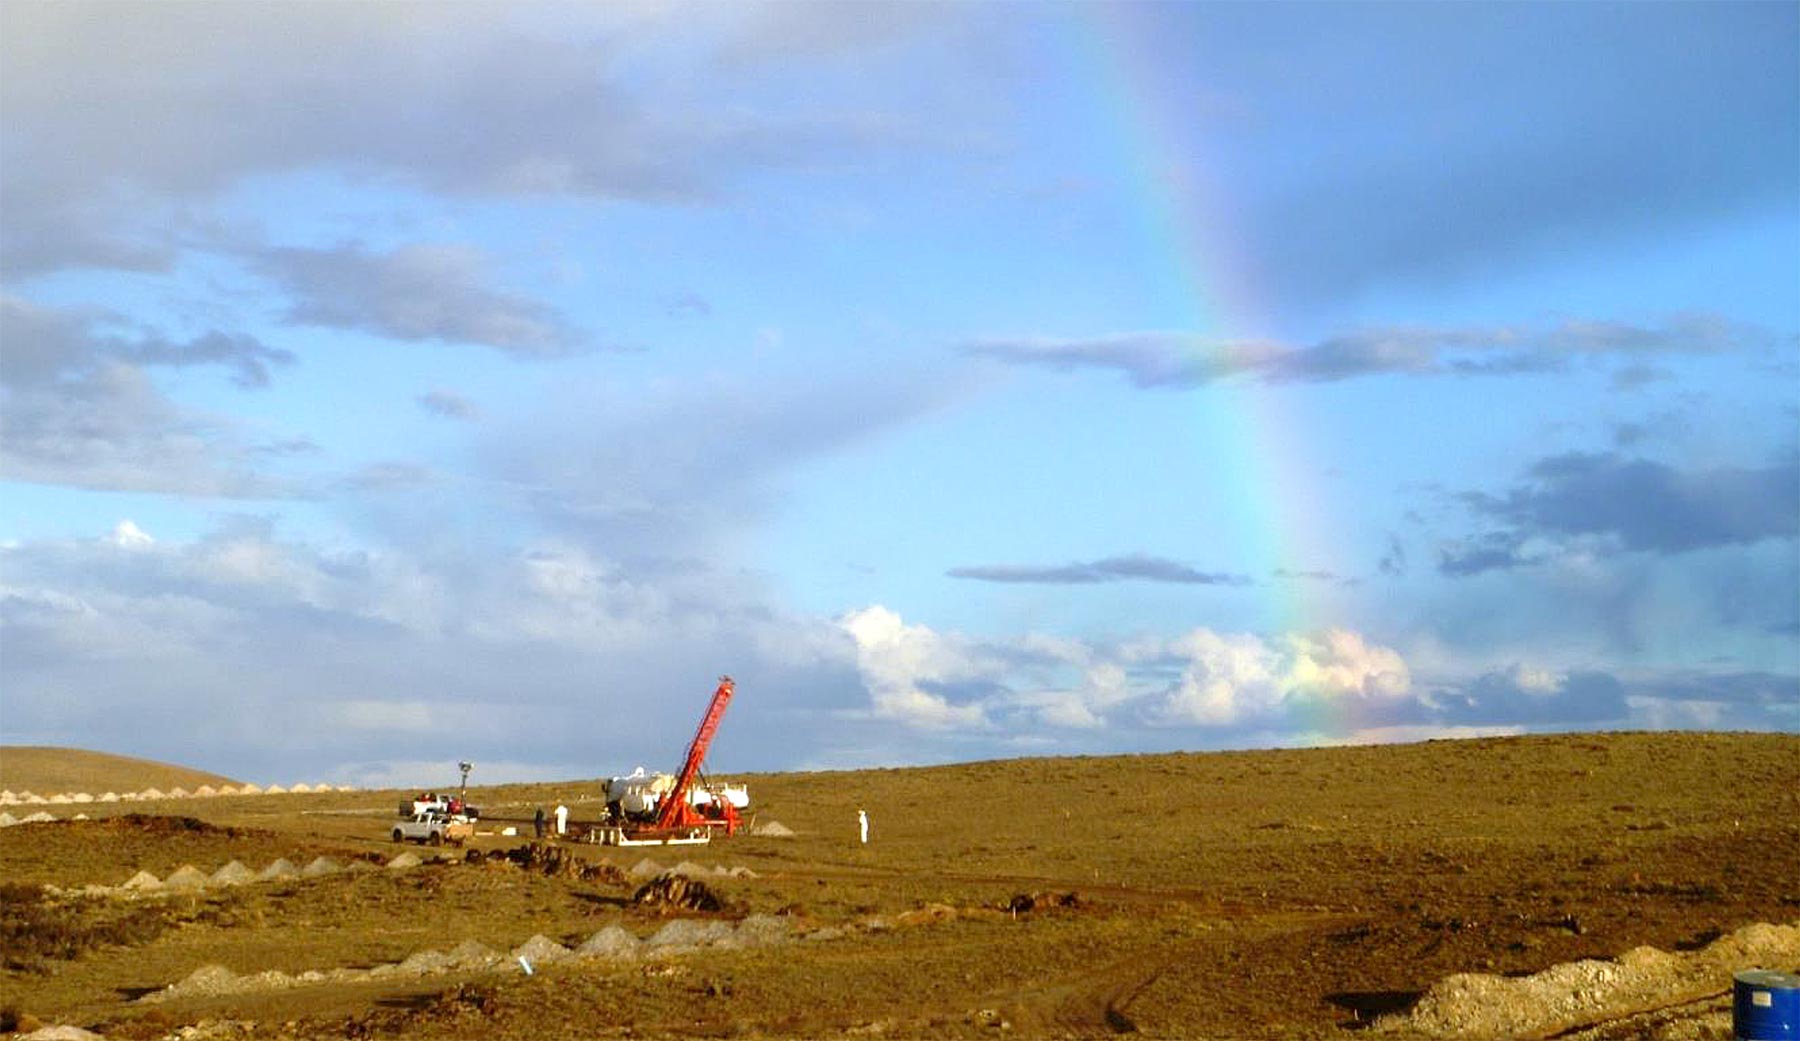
(384, 385)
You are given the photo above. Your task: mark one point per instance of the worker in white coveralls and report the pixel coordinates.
(862, 826)
(562, 819)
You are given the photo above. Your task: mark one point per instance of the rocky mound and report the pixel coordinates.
(1567, 997)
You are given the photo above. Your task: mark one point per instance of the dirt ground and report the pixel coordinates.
(1303, 893)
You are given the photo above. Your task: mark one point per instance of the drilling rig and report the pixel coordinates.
(644, 811)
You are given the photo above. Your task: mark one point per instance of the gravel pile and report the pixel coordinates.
(611, 942)
(232, 874)
(321, 866)
(541, 950)
(645, 868)
(187, 876)
(143, 881)
(1566, 997)
(684, 933)
(772, 830)
(280, 868)
(402, 861)
(472, 954)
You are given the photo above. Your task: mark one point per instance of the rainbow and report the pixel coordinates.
(1184, 220)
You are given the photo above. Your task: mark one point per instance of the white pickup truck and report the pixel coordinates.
(434, 829)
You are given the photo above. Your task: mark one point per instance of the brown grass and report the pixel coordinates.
(47, 771)
(1238, 894)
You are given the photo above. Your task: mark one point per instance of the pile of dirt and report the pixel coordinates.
(187, 876)
(687, 933)
(143, 881)
(1567, 997)
(671, 890)
(233, 873)
(541, 950)
(321, 866)
(772, 830)
(611, 942)
(403, 861)
(280, 867)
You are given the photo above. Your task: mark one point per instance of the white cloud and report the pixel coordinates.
(895, 659)
(1222, 679)
(127, 534)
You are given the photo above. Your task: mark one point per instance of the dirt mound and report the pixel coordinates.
(206, 981)
(62, 1032)
(1572, 995)
(321, 866)
(689, 932)
(232, 874)
(764, 930)
(142, 881)
(187, 876)
(645, 868)
(772, 830)
(611, 942)
(403, 861)
(677, 891)
(280, 867)
(471, 954)
(541, 950)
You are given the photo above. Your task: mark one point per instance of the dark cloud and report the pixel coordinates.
(1653, 507)
(78, 409)
(1111, 569)
(418, 292)
(1493, 551)
(174, 106)
(1178, 361)
(1393, 562)
(46, 344)
(1520, 698)
(449, 405)
(1521, 166)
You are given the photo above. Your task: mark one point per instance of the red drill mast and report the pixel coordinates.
(674, 811)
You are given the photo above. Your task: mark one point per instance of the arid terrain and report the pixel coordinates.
(1306, 893)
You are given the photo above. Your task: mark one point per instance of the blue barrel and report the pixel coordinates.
(1765, 1006)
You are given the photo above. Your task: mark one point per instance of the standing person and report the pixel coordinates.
(537, 822)
(862, 826)
(562, 819)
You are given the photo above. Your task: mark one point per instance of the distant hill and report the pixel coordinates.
(47, 771)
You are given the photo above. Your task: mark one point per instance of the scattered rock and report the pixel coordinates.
(673, 890)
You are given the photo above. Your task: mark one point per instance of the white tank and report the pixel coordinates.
(640, 792)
